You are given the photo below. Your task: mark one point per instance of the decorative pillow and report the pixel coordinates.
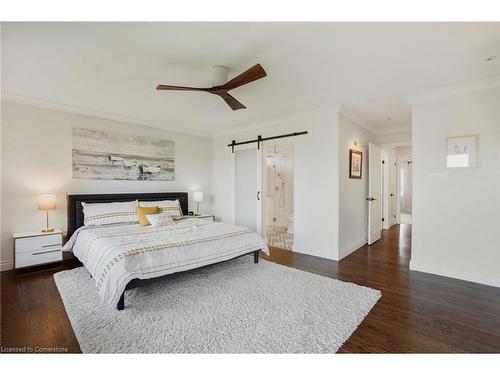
(109, 213)
(142, 212)
(159, 220)
(173, 208)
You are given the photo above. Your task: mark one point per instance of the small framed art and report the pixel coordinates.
(461, 152)
(355, 163)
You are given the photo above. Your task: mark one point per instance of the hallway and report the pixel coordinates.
(418, 312)
(406, 217)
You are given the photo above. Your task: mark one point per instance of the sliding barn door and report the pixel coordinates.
(374, 193)
(247, 188)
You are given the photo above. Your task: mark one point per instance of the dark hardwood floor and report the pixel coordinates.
(418, 312)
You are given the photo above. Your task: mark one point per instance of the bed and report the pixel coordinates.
(125, 256)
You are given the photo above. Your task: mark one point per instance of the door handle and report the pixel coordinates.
(371, 199)
(258, 195)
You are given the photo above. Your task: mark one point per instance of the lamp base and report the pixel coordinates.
(47, 230)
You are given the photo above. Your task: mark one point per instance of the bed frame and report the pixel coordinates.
(75, 221)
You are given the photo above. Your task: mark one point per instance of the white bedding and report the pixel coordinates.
(116, 254)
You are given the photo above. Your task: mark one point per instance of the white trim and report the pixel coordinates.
(356, 119)
(475, 278)
(396, 144)
(11, 97)
(352, 248)
(401, 159)
(394, 130)
(370, 127)
(483, 84)
(277, 121)
(6, 265)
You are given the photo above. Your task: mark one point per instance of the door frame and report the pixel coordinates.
(394, 145)
(378, 166)
(401, 159)
(273, 143)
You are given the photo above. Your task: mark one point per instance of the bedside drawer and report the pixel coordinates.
(35, 244)
(33, 258)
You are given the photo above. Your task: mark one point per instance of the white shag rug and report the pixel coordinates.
(231, 307)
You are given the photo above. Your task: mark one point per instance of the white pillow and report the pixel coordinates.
(173, 208)
(158, 220)
(109, 213)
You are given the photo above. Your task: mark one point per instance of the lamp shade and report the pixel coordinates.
(198, 196)
(47, 202)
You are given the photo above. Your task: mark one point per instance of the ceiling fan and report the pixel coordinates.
(221, 86)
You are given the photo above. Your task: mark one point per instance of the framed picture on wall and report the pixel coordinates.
(461, 151)
(355, 163)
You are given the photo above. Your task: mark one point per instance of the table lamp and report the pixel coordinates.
(198, 197)
(47, 202)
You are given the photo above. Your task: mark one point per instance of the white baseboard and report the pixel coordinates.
(6, 265)
(352, 248)
(475, 278)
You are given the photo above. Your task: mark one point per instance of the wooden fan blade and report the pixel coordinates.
(231, 101)
(180, 88)
(254, 73)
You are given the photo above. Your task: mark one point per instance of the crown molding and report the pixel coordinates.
(11, 97)
(366, 125)
(356, 119)
(483, 84)
(333, 110)
(394, 130)
(396, 144)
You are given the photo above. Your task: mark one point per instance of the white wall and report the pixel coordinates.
(36, 158)
(456, 212)
(315, 180)
(353, 208)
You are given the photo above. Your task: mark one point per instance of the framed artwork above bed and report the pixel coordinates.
(355, 164)
(100, 155)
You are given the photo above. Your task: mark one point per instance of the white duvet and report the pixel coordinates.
(116, 254)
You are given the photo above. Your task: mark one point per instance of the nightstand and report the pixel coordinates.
(34, 248)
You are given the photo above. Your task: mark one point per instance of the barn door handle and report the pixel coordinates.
(258, 195)
(371, 199)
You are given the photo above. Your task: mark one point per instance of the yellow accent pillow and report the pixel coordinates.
(143, 211)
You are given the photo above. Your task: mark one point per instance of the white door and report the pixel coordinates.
(374, 193)
(247, 188)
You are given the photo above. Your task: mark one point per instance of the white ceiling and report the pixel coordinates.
(114, 67)
(382, 115)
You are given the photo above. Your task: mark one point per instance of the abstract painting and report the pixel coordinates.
(101, 155)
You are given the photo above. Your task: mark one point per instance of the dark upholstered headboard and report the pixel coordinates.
(75, 208)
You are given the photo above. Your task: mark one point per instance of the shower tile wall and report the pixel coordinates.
(278, 190)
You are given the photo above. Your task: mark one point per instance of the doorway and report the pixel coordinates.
(405, 195)
(278, 194)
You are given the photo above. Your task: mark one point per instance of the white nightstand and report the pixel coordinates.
(34, 248)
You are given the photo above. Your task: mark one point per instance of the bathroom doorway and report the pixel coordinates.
(277, 182)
